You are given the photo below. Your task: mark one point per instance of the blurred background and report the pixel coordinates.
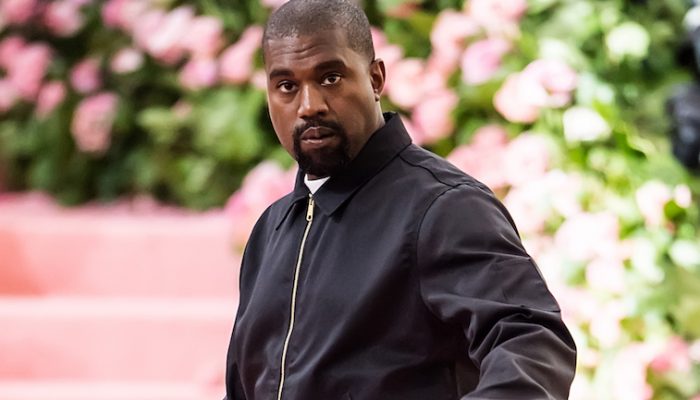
(136, 154)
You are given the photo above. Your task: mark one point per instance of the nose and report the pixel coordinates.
(312, 102)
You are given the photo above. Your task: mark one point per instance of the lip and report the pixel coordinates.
(316, 133)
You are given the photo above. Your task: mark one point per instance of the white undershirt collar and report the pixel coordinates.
(314, 184)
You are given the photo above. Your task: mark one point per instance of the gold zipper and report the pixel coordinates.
(309, 219)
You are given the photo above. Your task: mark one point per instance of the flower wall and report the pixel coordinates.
(557, 105)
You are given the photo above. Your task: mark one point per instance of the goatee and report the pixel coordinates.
(327, 160)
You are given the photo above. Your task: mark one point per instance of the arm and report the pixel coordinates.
(475, 273)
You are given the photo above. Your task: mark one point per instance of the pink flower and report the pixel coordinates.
(85, 76)
(606, 274)
(552, 82)
(63, 18)
(433, 115)
(482, 59)
(512, 101)
(601, 231)
(605, 323)
(630, 366)
(199, 73)
(8, 95)
(126, 60)
(263, 185)
(450, 31)
(161, 34)
(674, 356)
(204, 36)
(543, 83)
(417, 136)
(92, 122)
(27, 69)
(124, 14)
(403, 84)
(50, 96)
(10, 49)
(236, 62)
(483, 158)
(651, 200)
(387, 52)
(529, 207)
(498, 16)
(17, 12)
(526, 159)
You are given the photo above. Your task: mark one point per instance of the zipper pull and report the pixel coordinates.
(310, 209)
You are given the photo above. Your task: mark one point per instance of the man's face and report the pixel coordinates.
(322, 97)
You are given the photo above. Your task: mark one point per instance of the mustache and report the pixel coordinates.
(317, 123)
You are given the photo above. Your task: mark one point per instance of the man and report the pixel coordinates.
(387, 273)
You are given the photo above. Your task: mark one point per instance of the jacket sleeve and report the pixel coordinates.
(475, 274)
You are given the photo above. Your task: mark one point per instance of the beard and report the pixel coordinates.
(325, 161)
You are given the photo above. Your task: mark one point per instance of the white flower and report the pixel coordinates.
(628, 39)
(685, 253)
(583, 124)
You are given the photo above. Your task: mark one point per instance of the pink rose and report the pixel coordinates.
(8, 95)
(27, 69)
(543, 83)
(403, 84)
(512, 101)
(123, 14)
(498, 16)
(236, 62)
(529, 208)
(263, 185)
(10, 49)
(204, 36)
(387, 52)
(674, 356)
(483, 158)
(482, 59)
(433, 115)
(126, 60)
(85, 76)
(552, 82)
(63, 18)
(92, 122)
(651, 200)
(601, 231)
(605, 323)
(606, 274)
(416, 134)
(526, 159)
(450, 31)
(50, 96)
(199, 73)
(162, 34)
(17, 12)
(630, 366)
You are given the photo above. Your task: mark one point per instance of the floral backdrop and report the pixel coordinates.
(557, 105)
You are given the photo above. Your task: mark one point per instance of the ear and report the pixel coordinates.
(377, 74)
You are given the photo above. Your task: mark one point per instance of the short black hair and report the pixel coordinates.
(309, 17)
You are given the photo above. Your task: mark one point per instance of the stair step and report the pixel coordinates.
(114, 250)
(54, 338)
(68, 390)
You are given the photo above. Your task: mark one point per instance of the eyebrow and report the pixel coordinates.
(326, 65)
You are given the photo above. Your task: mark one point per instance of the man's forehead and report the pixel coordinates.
(298, 46)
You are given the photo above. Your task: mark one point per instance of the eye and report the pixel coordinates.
(331, 79)
(286, 86)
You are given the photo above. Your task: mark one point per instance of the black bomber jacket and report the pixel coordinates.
(401, 278)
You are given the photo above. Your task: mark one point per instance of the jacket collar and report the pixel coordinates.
(381, 148)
